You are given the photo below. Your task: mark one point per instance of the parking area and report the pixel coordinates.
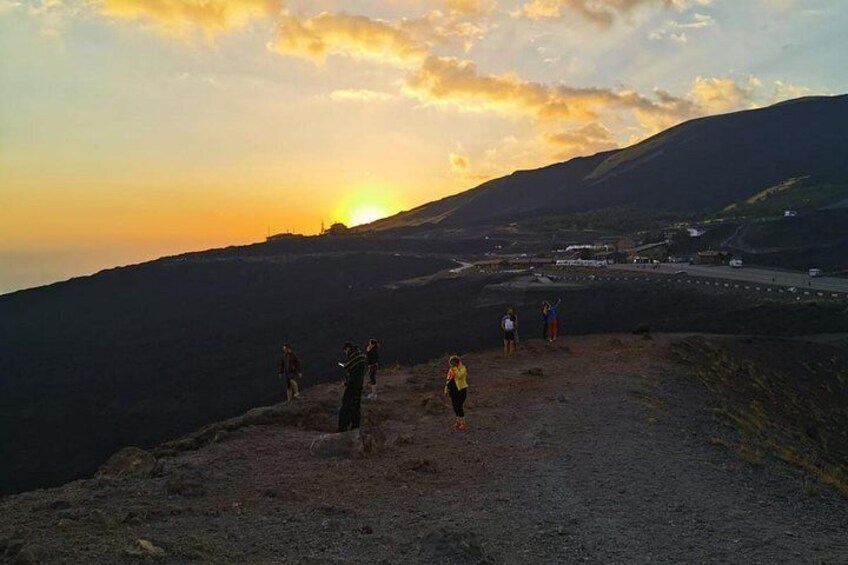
(753, 276)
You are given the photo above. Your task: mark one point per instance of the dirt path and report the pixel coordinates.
(595, 450)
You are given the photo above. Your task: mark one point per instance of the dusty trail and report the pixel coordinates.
(593, 450)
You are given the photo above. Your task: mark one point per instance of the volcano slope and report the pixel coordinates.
(600, 449)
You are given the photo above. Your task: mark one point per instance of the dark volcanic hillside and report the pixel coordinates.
(699, 166)
(141, 354)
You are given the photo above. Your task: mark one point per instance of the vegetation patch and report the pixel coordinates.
(787, 401)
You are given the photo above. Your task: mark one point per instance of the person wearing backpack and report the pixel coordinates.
(509, 327)
(289, 367)
(350, 411)
(456, 385)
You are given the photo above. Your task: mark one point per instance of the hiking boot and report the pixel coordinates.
(461, 426)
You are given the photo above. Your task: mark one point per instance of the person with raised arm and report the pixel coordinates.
(456, 385)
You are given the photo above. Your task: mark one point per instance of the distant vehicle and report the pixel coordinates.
(736, 263)
(815, 273)
(790, 214)
(641, 260)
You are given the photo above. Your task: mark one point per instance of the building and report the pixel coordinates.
(712, 258)
(617, 243)
(612, 256)
(653, 251)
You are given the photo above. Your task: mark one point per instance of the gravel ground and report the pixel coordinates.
(593, 450)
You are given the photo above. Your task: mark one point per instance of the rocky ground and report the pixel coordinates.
(601, 449)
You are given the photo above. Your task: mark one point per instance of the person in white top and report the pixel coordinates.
(509, 327)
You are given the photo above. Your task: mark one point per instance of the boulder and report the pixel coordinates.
(145, 548)
(130, 462)
(348, 445)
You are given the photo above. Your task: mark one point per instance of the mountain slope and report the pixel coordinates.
(699, 166)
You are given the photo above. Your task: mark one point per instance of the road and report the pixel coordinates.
(744, 274)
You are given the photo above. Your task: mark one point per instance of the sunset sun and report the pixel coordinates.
(366, 213)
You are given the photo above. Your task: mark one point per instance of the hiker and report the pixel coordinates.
(349, 413)
(553, 320)
(456, 386)
(289, 367)
(509, 327)
(546, 306)
(372, 359)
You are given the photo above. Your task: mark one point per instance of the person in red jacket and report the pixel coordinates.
(289, 368)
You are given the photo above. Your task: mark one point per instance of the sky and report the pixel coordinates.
(133, 129)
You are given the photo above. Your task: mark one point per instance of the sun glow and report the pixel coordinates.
(366, 213)
(367, 202)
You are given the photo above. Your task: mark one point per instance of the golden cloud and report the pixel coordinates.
(454, 82)
(182, 16)
(358, 37)
(440, 27)
(591, 138)
(717, 95)
(601, 12)
(468, 6)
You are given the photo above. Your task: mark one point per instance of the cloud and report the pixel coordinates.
(469, 6)
(459, 163)
(437, 27)
(453, 82)
(53, 16)
(603, 13)
(676, 31)
(402, 43)
(591, 138)
(181, 17)
(360, 95)
(357, 37)
(718, 95)
(782, 91)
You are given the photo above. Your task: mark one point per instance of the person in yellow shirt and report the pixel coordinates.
(456, 386)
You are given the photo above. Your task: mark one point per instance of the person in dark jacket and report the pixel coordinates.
(349, 413)
(372, 358)
(289, 367)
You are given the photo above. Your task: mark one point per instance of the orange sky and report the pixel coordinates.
(130, 129)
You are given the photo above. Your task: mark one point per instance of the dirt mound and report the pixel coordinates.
(129, 462)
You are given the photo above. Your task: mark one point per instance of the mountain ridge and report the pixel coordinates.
(701, 165)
